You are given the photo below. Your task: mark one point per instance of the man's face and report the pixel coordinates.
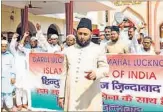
(102, 36)
(3, 48)
(114, 36)
(27, 39)
(131, 33)
(161, 45)
(38, 26)
(108, 33)
(83, 35)
(33, 43)
(10, 35)
(49, 41)
(70, 41)
(147, 43)
(54, 41)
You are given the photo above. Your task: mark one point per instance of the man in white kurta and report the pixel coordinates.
(147, 49)
(84, 65)
(7, 77)
(21, 73)
(34, 49)
(43, 42)
(70, 40)
(132, 40)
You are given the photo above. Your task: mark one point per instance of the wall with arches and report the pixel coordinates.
(11, 25)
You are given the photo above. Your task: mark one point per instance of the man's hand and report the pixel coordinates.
(26, 34)
(61, 102)
(91, 75)
(38, 26)
(13, 81)
(15, 36)
(157, 52)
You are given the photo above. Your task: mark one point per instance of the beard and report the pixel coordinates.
(83, 44)
(130, 37)
(115, 40)
(35, 46)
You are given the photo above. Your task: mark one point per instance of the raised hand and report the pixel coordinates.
(15, 35)
(26, 34)
(38, 26)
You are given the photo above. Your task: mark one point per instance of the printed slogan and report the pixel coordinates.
(134, 82)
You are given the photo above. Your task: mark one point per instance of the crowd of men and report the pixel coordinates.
(15, 55)
(132, 42)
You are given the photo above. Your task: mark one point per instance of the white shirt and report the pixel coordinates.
(20, 64)
(42, 41)
(149, 52)
(8, 72)
(124, 35)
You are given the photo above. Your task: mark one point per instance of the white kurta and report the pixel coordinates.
(42, 42)
(80, 93)
(20, 64)
(149, 52)
(7, 73)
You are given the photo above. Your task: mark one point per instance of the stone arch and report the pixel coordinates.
(54, 29)
(31, 27)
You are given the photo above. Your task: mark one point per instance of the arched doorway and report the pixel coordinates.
(31, 27)
(161, 30)
(54, 29)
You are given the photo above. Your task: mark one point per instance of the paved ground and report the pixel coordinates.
(15, 109)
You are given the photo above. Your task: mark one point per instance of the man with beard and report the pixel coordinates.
(116, 45)
(34, 45)
(54, 46)
(49, 44)
(70, 40)
(84, 65)
(132, 40)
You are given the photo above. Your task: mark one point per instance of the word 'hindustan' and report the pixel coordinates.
(49, 81)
